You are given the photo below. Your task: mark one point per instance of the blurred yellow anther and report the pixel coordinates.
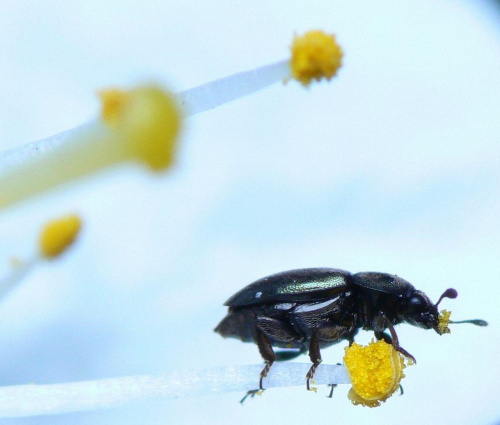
(57, 235)
(315, 55)
(147, 121)
(443, 321)
(375, 371)
(138, 125)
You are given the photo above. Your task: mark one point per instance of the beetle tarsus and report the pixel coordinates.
(406, 354)
(310, 375)
(332, 387)
(250, 394)
(264, 373)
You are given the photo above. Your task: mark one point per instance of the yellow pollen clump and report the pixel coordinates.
(375, 371)
(443, 321)
(146, 120)
(315, 55)
(57, 235)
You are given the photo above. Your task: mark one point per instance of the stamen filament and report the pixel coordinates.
(32, 400)
(224, 90)
(86, 151)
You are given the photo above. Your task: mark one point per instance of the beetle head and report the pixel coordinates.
(418, 310)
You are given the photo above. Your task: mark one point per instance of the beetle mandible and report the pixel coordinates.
(308, 309)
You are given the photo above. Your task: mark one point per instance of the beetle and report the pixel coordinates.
(309, 309)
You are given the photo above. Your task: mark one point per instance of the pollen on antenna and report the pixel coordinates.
(443, 321)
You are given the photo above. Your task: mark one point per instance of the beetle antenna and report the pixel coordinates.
(449, 293)
(452, 293)
(477, 322)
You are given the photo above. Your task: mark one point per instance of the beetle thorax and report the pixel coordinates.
(372, 304)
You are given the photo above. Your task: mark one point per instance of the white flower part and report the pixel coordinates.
(218, 92)
(34, 400)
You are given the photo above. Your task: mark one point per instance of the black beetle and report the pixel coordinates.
(314, 308)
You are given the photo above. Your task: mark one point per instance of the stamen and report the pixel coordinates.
(137, 125)
(376, 371)
(58, 235)
(315, 56)
(55, 238)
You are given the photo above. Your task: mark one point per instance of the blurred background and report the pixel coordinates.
(392, 167)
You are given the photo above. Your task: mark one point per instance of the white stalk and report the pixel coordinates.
(33, 400)
(225, 90)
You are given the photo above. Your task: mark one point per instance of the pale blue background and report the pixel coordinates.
(393, 167)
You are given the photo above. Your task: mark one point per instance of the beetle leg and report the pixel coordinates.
(277, 330)
(383, 335)
(394, 336)
(250, 394)
(315, 356)
(267, 353)
(268, 329)
(332, 387)
(329, 333)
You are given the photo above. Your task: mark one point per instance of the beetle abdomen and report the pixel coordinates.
(239, 324)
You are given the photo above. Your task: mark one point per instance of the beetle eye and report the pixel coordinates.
(417, 304)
